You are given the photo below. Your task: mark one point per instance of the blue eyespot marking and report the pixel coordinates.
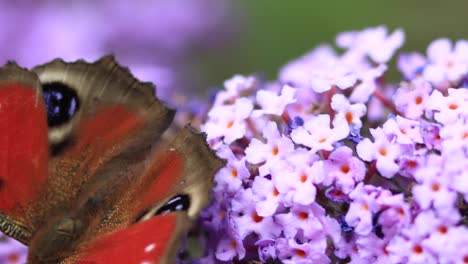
(62, 103)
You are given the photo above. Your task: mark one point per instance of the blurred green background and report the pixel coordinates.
(278, 31)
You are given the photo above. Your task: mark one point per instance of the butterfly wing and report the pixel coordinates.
(86, 159)
(96, 111)
(158, 210)
(60, 129)
(151, 241)
(23, 149)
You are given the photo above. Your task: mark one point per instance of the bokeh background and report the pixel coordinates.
(277, 31)
(195, 44)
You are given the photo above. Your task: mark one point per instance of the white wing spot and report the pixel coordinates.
(150, 247)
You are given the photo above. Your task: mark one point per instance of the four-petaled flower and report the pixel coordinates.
(317, 163)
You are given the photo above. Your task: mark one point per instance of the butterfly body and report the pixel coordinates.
(86, 173)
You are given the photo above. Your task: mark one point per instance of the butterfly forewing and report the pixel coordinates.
(23, 149)
(105, 124)
(103, 111)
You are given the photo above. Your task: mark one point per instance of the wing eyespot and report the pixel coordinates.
(176, 203)
(62, 103)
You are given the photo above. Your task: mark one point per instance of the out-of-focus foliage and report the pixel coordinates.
(279, 31)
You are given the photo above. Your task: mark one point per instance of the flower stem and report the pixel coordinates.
(330, 94)
(372, 170)
(386, 102)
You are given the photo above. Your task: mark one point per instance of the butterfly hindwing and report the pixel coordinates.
(146, 242)
(171, 193)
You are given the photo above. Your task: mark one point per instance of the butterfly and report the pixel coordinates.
(83, 178)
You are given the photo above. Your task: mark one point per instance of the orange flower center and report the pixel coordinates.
(442, 229)
(345, 169)
(465, 135)
(418, 100)
(365, 206)
(234, 173)
(256, 218)
(383, 151)
(412, 164)
(303, 215)
(275, 151)
(453, 106)
(303, 177)
(233, 244)
(300, 253)
(275, 192)
(349, 117)
(401, 212)
(337, 192)
(230, 124)
(385, 251)
(417, 249)
(435, 187)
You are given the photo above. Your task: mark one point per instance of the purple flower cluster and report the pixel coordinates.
(330, 162)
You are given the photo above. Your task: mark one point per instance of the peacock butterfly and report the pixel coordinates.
(81, 179)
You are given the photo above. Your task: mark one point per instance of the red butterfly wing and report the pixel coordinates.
(144, 242)
(23, 140)
(35, 189)
(185, 167)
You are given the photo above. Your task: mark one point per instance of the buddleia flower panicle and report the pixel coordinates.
(332, 162)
